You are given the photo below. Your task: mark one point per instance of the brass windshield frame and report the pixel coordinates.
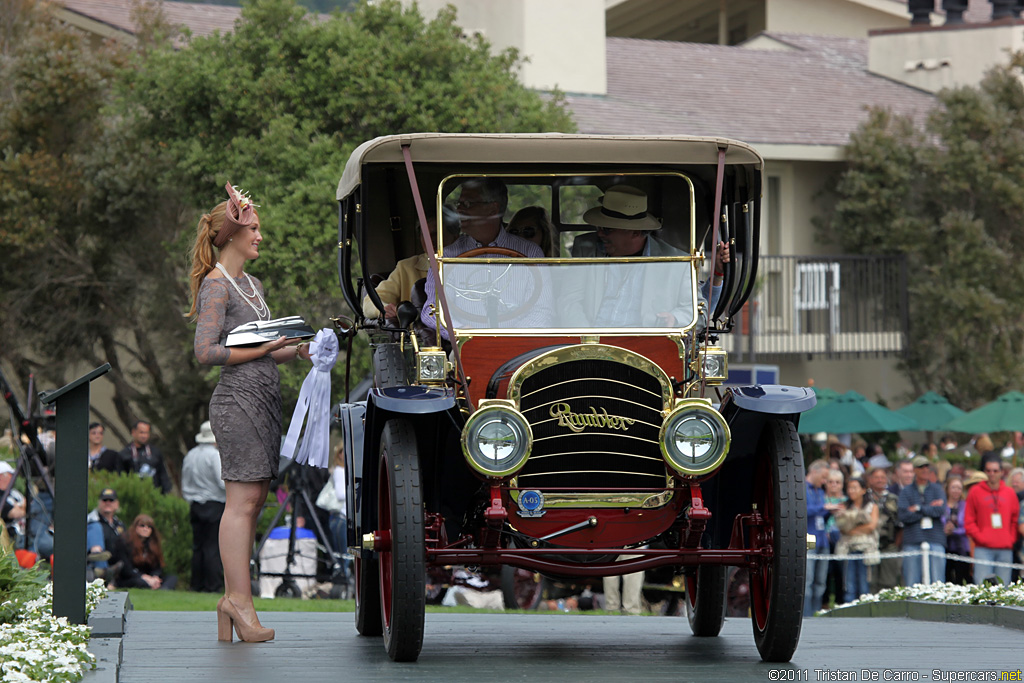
(695, 259)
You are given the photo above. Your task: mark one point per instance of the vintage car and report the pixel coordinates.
(563, 412)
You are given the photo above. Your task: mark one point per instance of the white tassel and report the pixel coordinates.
(314, 399)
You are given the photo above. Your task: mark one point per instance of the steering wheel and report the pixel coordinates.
(489, 296)
(496, 251)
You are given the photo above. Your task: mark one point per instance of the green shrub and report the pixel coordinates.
(17, 584)
(169, 512)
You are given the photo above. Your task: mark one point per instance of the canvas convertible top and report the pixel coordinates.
(542, 148)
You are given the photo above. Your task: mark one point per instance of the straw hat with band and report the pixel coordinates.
(239, 213)
(623, 207)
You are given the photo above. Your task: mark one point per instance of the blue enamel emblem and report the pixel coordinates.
(531, 503)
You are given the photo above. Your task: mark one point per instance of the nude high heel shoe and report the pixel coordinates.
(228, 617)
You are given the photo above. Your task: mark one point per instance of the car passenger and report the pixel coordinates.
(481, 206)
(533, 223)
(399, 285)
(630, 296)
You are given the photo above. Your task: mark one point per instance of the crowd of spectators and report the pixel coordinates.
(134, 555)
(873, 519)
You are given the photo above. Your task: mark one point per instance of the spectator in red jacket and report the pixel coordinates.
(991, 521)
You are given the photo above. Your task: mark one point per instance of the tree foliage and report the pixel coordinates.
(950, 197)
(84, 278)
(108, 155)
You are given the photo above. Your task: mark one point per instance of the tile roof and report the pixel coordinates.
(200, 18)
(816, 94)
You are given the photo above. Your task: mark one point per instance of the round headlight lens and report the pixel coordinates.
(496, 441)
(695, 439)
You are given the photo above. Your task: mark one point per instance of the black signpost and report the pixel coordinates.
(71, 506)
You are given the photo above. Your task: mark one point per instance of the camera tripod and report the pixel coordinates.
(29, 463)
(298, 493)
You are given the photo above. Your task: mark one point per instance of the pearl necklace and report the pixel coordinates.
(262, 310)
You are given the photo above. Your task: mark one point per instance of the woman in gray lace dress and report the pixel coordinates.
(245, 410)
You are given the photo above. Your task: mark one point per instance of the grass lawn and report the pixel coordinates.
(186, 601)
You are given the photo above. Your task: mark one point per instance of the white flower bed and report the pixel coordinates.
(1012, 595)
(36, 646)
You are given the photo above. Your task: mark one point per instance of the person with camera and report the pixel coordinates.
(245, 409)
(858, 529)
(142, 458)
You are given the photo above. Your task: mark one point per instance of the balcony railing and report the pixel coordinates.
(823, 306)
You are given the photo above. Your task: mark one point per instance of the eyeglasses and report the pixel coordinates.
(528, 231)
(464, 204)
(991, 471)
(109, 500)
(145, 526)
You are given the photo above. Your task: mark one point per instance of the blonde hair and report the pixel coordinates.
(204, 259)
(539, 216)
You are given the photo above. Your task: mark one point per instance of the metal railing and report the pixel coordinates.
(823, 306)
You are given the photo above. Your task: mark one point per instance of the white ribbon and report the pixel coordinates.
(314, 398)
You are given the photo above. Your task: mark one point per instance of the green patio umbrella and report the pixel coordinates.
(852, 413)
(824, 395)
(1005, 414)
(931, 411)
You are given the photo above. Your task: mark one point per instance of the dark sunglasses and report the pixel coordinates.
(108, 500)
(145, 526)
(464, 204)
(527, 231)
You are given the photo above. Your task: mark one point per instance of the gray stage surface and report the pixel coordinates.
(315, 647)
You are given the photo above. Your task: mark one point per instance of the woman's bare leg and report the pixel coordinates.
(237, 531)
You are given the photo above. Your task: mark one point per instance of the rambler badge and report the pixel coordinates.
(577, 421)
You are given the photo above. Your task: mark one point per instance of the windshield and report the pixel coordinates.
(568, 252)
(590, 295)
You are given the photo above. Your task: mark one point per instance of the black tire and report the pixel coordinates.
(288, 589)
(389, 366)
(402, 566)
(367, 592)
(520, 588)
(777, 589)
(705, 600)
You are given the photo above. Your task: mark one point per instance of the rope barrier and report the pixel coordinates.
(918, 553)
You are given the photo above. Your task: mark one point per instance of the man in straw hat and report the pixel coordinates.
(626, 295)
(203, 488)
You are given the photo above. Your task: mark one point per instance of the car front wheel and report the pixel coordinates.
(777, 586)
(402, 560)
